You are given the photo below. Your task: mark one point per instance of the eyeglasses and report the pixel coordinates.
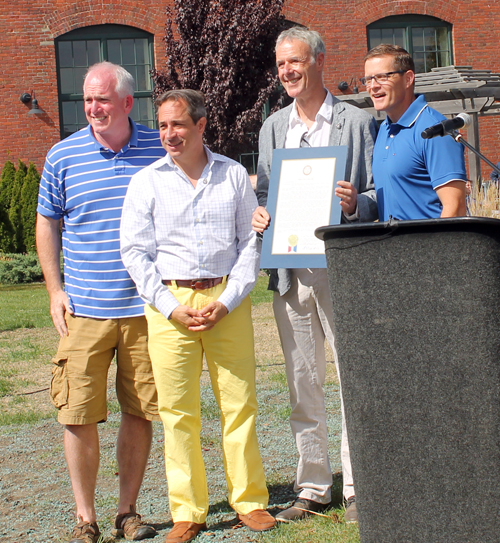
(379, 78)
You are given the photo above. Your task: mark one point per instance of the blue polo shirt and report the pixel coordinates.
(407, 169)
(84, 184)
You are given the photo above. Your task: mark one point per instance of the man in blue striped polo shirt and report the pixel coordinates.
(98, 312)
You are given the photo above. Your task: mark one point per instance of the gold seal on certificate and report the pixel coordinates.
(301, 198)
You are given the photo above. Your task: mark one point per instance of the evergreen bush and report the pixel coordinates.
(6, 228)
(16, 206)
(29, 200)
(18, 268)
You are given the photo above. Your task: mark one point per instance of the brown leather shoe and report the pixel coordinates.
(132, 527)
(258, 520)
(85, 532)
(184, 531)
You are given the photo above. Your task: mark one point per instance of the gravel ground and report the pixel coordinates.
(36, 501)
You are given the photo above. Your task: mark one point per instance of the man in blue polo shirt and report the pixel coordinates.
(98, 313)
(414, 178)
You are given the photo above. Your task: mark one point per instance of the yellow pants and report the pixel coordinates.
(177, 355)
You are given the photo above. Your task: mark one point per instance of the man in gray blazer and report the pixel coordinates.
(302, 304)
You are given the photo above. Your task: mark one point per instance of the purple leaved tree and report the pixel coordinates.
(224, 48)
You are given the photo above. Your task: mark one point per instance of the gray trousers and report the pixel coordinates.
(304, 317)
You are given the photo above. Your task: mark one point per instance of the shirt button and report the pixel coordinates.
(202, 266)
(205, 181)
(387, 147)
(392, 135)
(200, 242)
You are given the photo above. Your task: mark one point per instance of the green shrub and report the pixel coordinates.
(16, 207)
(6, 183)
(6, 228)
(18, 268)
(29, 201)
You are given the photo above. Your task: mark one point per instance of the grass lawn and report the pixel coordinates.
(28, 341)
(24, 306)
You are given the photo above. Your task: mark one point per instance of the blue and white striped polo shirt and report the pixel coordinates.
(85, 183)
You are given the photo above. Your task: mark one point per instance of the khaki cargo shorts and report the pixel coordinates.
(80, 370)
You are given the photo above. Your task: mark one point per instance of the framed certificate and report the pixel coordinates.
(301, 197)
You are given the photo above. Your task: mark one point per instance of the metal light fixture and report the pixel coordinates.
(26, 98)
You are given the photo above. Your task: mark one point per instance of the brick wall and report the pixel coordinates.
(28, 58)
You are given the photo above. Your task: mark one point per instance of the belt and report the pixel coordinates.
(195, 284)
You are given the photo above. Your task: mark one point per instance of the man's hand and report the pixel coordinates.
(187, 316)
(260, 219)
(199, 320)
(59, 304)
(348, 195)
(213, 313)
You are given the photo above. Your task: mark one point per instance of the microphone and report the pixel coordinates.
(445, 127)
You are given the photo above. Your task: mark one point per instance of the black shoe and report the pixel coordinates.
(300, 509)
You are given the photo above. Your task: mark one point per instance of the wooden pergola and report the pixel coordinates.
(452, 90)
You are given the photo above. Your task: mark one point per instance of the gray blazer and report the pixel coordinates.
(352, 127)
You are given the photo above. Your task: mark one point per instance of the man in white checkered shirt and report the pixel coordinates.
(187, 242)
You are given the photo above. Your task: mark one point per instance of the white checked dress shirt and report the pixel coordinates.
(172, 230)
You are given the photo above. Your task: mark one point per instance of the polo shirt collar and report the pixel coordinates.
(410, 116)
(132, 142)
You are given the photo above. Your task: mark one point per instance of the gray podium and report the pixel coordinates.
(417, 324)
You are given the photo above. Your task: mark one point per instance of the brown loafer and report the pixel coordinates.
(184, 531)
(258, 520)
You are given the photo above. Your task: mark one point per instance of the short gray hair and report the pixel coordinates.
(195, 102)
(124, 82)
(309, 37)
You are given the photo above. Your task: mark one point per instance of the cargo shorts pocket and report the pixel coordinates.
(59, 384)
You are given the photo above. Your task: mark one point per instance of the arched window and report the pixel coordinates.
(77, 50)
(427, 39)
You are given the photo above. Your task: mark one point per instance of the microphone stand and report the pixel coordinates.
(458, 137)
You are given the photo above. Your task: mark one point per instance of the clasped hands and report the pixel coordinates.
(199, 320)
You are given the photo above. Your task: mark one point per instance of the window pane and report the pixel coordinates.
(142, 51)
(79, 76)
(430, 38)
(114, 54)
(143, 80)
(419, 60)
(418, 39)
(143, 112)
(80, 114)
(79, 53)
(387, 35)
(65, 54)
(444, 59)
(69, 113)
(94, 52)
(128, 52)
(132, 70)
(442, 39)
(400, 37)
(146, 108)
(430, 61)
(67, 80)
(374, 37)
